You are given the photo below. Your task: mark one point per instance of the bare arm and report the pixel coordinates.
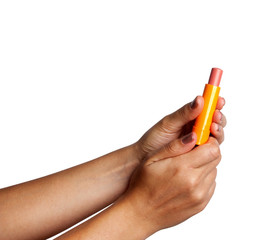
(48, 205)
(170, 187)
(43, 207)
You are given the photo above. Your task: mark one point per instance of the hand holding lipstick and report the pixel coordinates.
(171, 186)
(219, 121)
(172, 182)
(180, 123)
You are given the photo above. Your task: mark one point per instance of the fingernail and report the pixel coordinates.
(220, 117)
(219, 128)
(187, 138)
(194, 104)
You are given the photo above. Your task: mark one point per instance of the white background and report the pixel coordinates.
(82, 78)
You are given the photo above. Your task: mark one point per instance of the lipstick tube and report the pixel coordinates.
(210, 95)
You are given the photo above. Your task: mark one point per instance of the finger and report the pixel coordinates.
(201, 192)
(209, 180)
(211, 190)
(220, 103)
(217, 116)
(223, 121)
(220, 118)
(175, 121)
(175, 148)
(207, 169)
(202, 154)
(210, 194)
(217, 131)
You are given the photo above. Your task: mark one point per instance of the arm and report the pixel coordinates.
(118, 222)
(46, 206)
(167, 189)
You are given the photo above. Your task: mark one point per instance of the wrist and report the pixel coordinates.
(118, 222)
(138, 151)
(137, 224)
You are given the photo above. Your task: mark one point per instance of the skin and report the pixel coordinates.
(44, 207)
(170, 187)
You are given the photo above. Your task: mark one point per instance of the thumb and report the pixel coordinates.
(184, 115)
(175, 148)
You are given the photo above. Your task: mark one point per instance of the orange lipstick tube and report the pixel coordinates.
(210, 95)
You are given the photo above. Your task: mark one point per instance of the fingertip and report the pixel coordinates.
(197, 102)
(213, 140)
(189, 138)
(194, 103)
(224, 101)
(189, 111)
(217, 133)
(194, 137)
(220, 103)
(188, 142)
(200, 100)
(214, 128)
(217, 116)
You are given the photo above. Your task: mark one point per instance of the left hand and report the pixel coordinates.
(178, 124)
(172, 185)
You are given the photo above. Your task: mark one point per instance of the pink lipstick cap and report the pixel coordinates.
(215, 76)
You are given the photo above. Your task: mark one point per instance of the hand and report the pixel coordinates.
(219, 121)
(179, 124)
(174, 184)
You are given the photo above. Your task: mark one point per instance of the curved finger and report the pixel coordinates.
(223, 120)
(207, 169)
(209, 185)
(208, 197)
(217, 131)
(175, 121)
(219, 118)
(175, 148)
(202, 154)
(210, 193)
(210, 178)
(220, 103)
(201, 193)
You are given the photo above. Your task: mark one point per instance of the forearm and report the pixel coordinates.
(46, 206)
(119, 222)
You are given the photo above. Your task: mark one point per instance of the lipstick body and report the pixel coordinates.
(210, 95)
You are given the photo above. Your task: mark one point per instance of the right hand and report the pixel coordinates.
(174, 184)
(178, 124)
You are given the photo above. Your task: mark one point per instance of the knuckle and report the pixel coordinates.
(164, 121)
(183, 112)
(165, 124)
(191, 183)
(222, 137)
(170, 148)
(197, 197)
(214, 150)
(218, 159)
(203, 205)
